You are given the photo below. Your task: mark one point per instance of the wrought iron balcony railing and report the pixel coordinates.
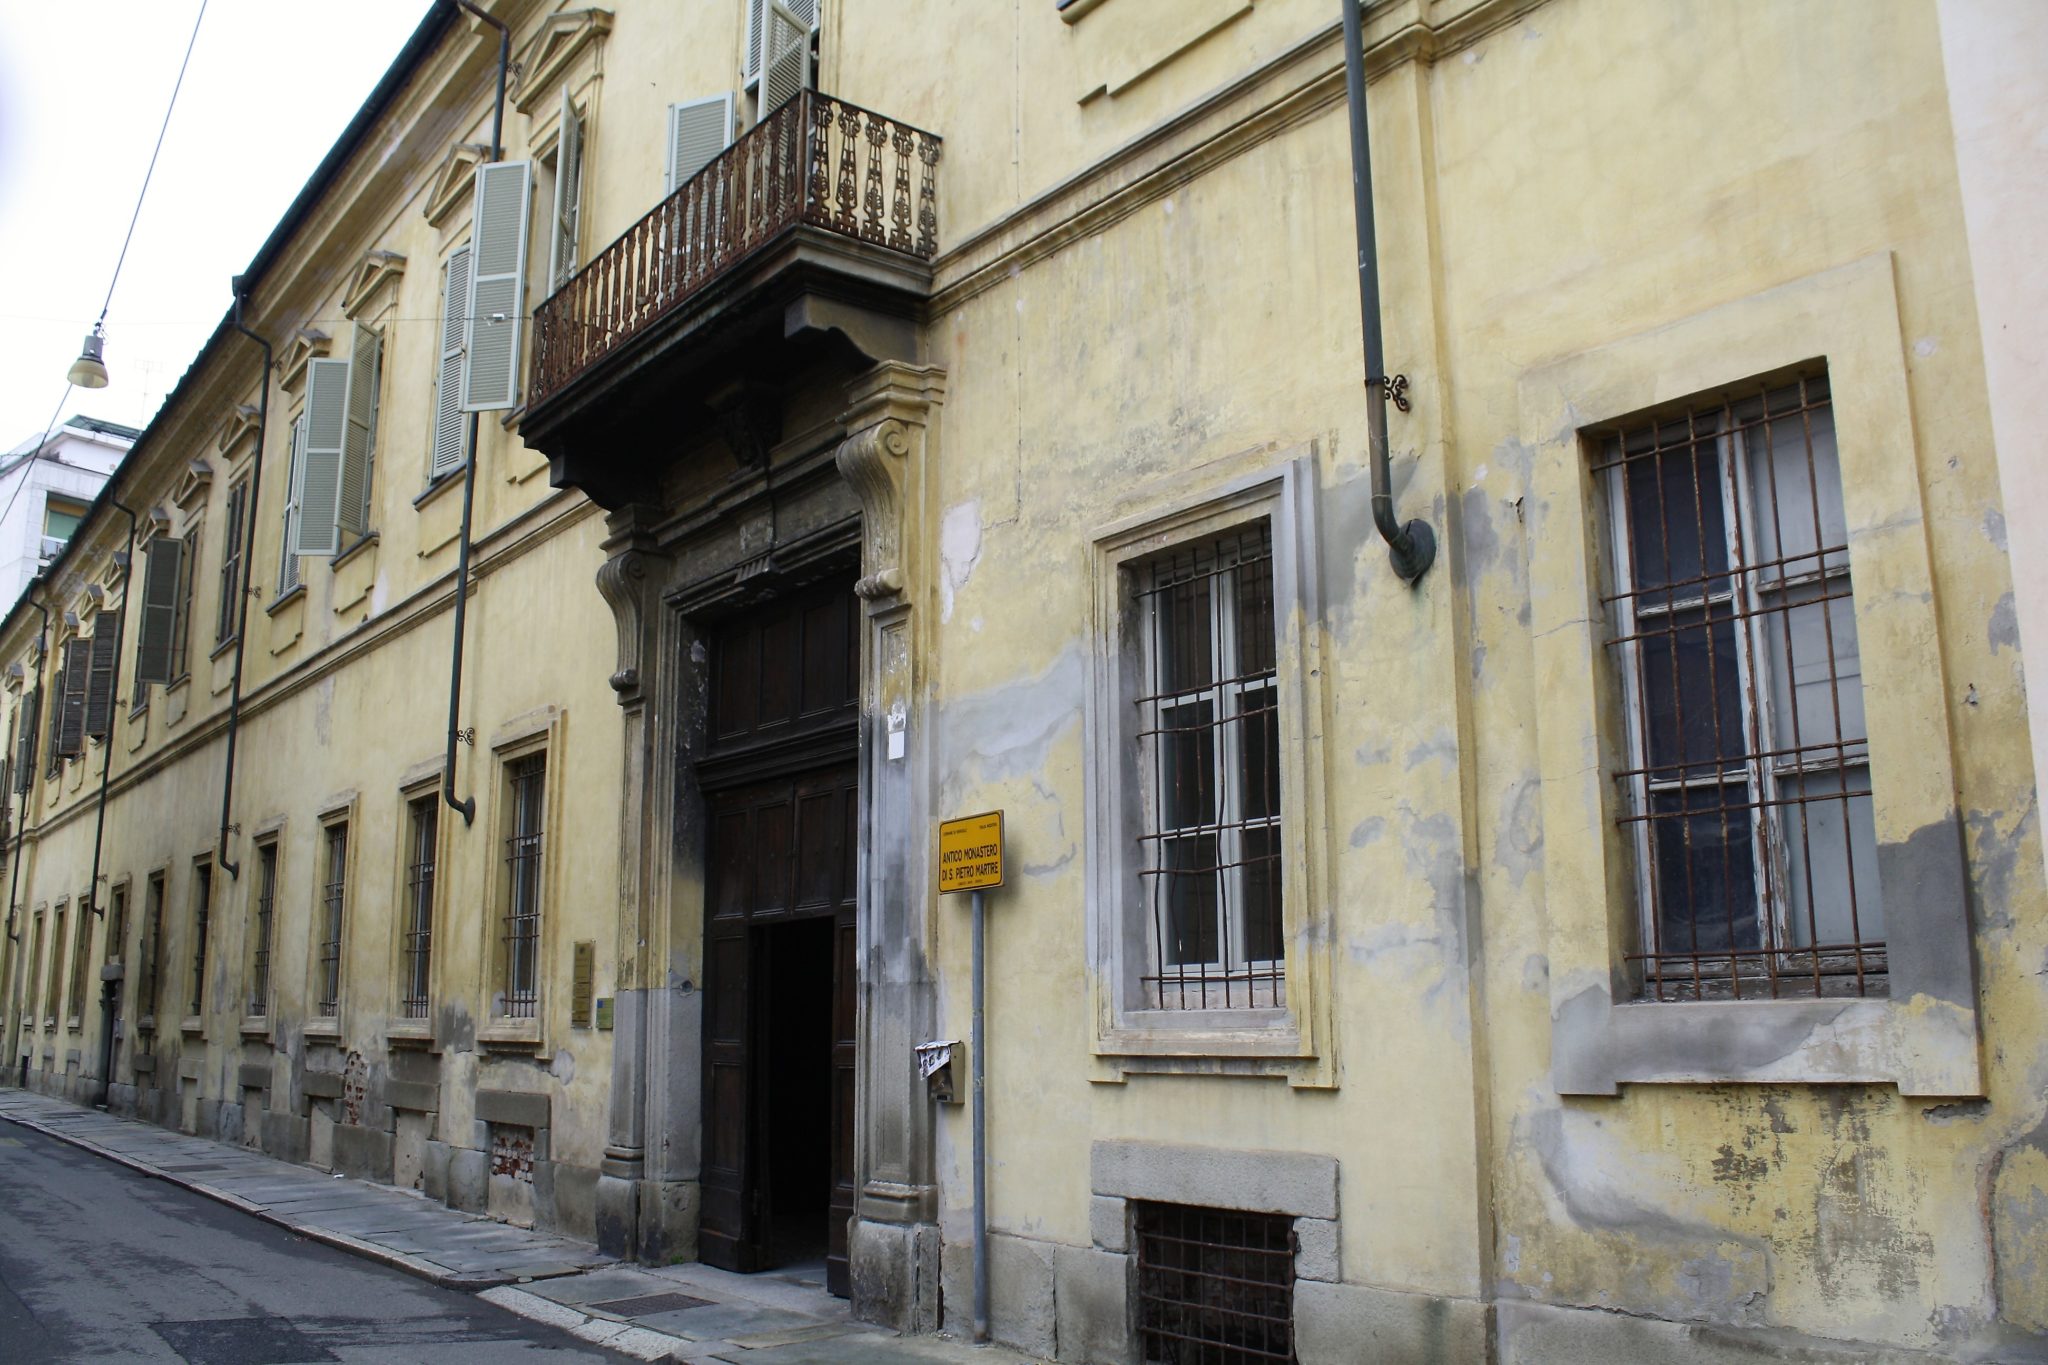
(817, 160)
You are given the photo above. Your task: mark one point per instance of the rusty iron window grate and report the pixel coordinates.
(333, 900)
(202, 913)
(151, 947)
(1209, 740)
(425, 825)
(522, 911)
(1215, 1286)
(1747, 790)
(266, 905)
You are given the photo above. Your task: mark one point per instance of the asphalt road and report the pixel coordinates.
(98, 1263)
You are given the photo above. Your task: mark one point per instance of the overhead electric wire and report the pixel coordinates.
(122, 259)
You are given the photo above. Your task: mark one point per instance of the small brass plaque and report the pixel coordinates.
(604, 1013)
(582, 983)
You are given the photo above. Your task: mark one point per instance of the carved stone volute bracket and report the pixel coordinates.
(631, 585)
(891, 422)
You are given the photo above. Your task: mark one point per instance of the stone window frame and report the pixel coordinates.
(1293, 1041)
(344, 811)
(399, 1027)
(1924, 1036)
(543, 732)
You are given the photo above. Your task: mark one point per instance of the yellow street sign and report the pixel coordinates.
(971, 852)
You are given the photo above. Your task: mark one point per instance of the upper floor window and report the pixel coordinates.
(1746, 789)
(1208, 728)
(227, 619)
(61, 518)
(337, 456)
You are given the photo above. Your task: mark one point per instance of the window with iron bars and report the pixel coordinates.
(1747, 790)
(1215, 1286)
(1209, 736)
(53, 970)
(526, 778)
(266, 905)
(81, 961)
(202, 909)
(151, 948)
(424, 818)
(333, 900)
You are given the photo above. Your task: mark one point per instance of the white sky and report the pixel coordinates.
(83, 86)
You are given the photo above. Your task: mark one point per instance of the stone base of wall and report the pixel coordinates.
(895, 1273)
(1534, 1334)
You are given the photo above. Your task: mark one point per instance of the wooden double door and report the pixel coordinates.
(781, 902)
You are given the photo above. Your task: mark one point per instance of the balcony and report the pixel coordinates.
(819, 220)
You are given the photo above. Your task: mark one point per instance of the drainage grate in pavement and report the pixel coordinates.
(649, 1304)
(241, 1341)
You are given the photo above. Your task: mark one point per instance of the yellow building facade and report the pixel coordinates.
(1621, 943)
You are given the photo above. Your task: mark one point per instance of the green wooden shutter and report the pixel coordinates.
(288, 556)
(447, 454)
(568, 194)
(497, 286)
(71, 717)
(162, 562)
(25, 746)
(698, 130)
(99, 691)
(786, 64)
(365, 365)
(326, 432)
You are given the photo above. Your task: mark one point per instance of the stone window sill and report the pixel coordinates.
(369, 539)
(286, 599)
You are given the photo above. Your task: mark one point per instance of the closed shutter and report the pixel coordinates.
(288, 554)
(448, 424)
(786, 66)
(77, 678)
(326, 431)
(25, 751)
(365, 356)
(162, 563)
(698, 130)
(568, 195)
(497, 287)
(99, 691)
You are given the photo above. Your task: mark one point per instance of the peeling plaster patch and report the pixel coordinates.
(563, 1067)
(1482, 544)
(1368, 832)
(1010, 730)
(1388, 940)
(1994, 858)
(323, 710)
(1926, 346)
(2004, 632)
(1371, 755)
(1520, 850)
(1441, 748)
(1994, 527)
(959, 551)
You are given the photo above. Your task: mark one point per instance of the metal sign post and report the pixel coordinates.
(971, 859)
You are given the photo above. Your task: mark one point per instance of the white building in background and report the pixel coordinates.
(43, 496)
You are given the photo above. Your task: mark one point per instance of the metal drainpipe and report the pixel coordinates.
(114, 690)
(227, 790)
(467, 805)
(1411, 548)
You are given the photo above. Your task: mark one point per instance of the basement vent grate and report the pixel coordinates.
(1215, 1286)
(649, 1304)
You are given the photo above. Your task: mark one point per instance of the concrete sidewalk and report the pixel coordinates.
(682, 1312)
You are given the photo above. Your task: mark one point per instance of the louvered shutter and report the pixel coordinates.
(448, 424)
(497, 287)
(326, 430)
(568, 195)
(288, 554)
(25, 750)
(365, 354)
(786, 65)
(162, 561)
(77, 678)
(806, 12)
(99, 690)
(698, 130)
